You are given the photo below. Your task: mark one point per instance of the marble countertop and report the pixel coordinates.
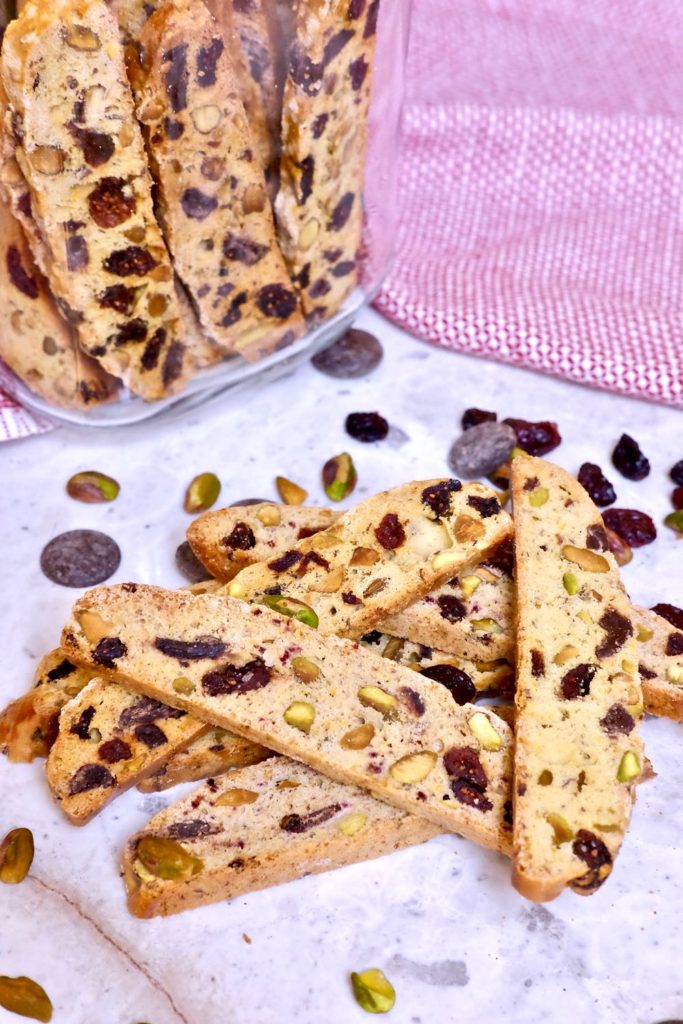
(441, 920)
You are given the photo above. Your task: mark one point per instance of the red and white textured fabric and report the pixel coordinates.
(541, 199)
(17, 422)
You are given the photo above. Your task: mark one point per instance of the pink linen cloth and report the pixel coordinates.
(540, 198)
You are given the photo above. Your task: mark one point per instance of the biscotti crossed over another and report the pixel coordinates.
(80, 150)
(660, 659)
(257, 827)
(380, 556)
(216, 752)
(355, 717)
(578, 754)
(213, 200)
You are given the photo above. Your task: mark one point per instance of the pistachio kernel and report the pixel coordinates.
(446, 560)
(236, 798)
(95, 627)
(570, 583)
(358, 738)
(292, 608)
(235, 589)
(486, 626)
(394, 648)
(269, 515)
(538, 497)
(562, 833)
(288, 784)
(167, 859)
(380, 700)
(25, 997)
(352, 823)
(480, 726)
(674, 520)
(644, 634)
(202, 493)
(585, 616)
(468, 584)
(364, 557)
(629, 767)
(674, 674)
(545, 778)
(339, 477)
(300, 715)
(373, 992)
(290, 492)
(92, 487)
(629, 666)
(183, 685)
(413, 767)
(467, 529)
(589, 560)
(16, 856)
(566, 654)
(305, 670)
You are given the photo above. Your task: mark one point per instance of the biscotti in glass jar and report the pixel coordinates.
(195, 195)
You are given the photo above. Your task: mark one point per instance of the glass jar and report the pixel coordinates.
(332, 79)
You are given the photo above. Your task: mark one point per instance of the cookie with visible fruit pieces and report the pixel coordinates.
(213, 201)
(349, 714)
(91, 191)
(660, 662)
(215, 753)
(578, 754)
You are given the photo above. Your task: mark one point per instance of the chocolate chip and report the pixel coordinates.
(319, 125)
(151, 735)
(134, 330)
(234, 313)
(175, 77)
(342, 269)
(189, 566)
(191, 650)
(131, 261)
(438, 497)
(674, 644)
(336, 44)
(240, 539)
(307, 167)
(18, 275)
(91, 776)
(114, 750)
(412, 700)
(355, 354)
(108, 204)
(80, 558)
(108, 651)
(150, 357)
(61, 671)
(196, 204)
(577, 682)
(371, 22)
(173, 129)
(671, 613)
(233, 679)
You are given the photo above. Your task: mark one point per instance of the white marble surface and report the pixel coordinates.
(441, 920)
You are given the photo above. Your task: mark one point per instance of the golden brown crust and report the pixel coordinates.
(215, 753)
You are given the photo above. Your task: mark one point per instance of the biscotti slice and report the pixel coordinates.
(229, 539)
(380, 556)
(212, 195)
(80, 150)
(349, 714)
(28, 725)
(215, 753)
(324, 135)
(660, 662)
(37, 344)
(255, 35)
(109, 739)
(472, 615)
(578, 754)
(254, 828)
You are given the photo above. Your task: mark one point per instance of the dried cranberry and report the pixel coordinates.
(358, 70)
(174, 129)
(473, 417)
(671, 613)
(18, 275)
(81, 728)
(341, 212)
(457, 682)
(285, 561)
(674, 645)
(151, 735)
(108, 204)
(676, 473)
(133, 330)
(464, 763)
(77, 256)
(152, 351)
(131, 261)
(114, 750)
(196, 204)
(537, 664)
(617, 721)
(190, 650)
(485, 506)
(466, 793)
(176, 76)
(61, 671)
(390, 532)
(535, 438)
(503, 557)
(577, 682)
(452, 609)
(636, 528)
(302, 822)
(596, 538)
(412, 700)
(312, 558)
(366, 426)
(593, 852)
(97, 147)
(173, 363)
(437, 498)
(371, 22)
(118, 297)
(276, 301)
(319, 125)
(307, 168)
(336, 44)
(241, 539)
(231, 679)
(617, 629)
(629, 460)
(593, 480)
(91, 776)
(677, 498)
(207, 58)
(145, 710)
(108, 650)
(349, 598)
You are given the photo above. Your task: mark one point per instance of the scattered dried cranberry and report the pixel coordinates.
(636, 528)
(452, 609)
(535, 438)
(366, 426)
(593, 480)
(629, 460)
(676, 473)
(671, 613)
(390, 532)
(677, 498)
(674, 645)
(617, 721)
(242, 538)
(457, 682)
(577, 682)
(617, 631)
(593, 852)
(91, 776)
(473, 417)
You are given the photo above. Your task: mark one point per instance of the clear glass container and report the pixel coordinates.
(334, 55)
